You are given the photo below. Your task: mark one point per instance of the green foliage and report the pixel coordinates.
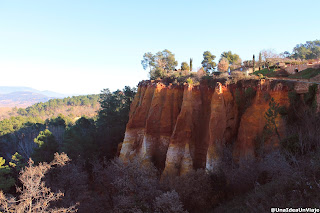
(283, 110)
(232, 58)
(17, 161)
(9, 172)
(271, 116)
(148, 61)
(238, 97)
(309, 50)
(310, 96)
(46, 147)
(191, 66)
(208, 61)
(185, 66)
(79, 140)
(244, 98)
(15, 123)
(113, 117)
(61, 120)
(6, 180)
(265, 72)
(306, 74)
(160, 63)
(189, 81)
(48, 108)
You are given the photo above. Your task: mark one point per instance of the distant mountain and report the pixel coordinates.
(6, 90)
(51, 94)
(21, 99)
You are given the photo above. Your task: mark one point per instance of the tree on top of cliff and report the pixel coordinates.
(309, 50)
(232, 58)
(160, 63)
(268, 54)
(223, 65)
(208, 61)
(185, 66)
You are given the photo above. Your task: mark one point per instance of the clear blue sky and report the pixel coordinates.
(75, 46)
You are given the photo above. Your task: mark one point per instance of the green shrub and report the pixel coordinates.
(283, 110)
(189, 81)
(238, 97)
(265, 72)
(310, 96)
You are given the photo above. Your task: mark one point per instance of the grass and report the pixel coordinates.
(306, 74)
(266, 72)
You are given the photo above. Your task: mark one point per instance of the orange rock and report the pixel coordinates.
(182, 127)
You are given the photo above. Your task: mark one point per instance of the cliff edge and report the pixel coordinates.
(183, 127)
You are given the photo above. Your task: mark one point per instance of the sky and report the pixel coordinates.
(82, 47)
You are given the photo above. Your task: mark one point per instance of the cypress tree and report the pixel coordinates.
(191, 64)
(254, 63)
(260, 60)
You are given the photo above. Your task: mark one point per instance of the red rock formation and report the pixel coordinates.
(253, 120)
(181, 127)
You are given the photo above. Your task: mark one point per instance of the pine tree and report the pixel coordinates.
(6, 180)
(47, 146)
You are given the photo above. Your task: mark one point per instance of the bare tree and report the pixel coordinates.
(269, 53)
(34, 195)
(168, 202)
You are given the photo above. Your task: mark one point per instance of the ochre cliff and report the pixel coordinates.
(182, 127)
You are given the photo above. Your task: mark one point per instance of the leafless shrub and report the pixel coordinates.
(194, 189)
(237, 76)
(168, 202)
(200, 73)
(72, 180)
(127, 187)
(304, 133)
(60, 159)
(34, 195)
(276, 165)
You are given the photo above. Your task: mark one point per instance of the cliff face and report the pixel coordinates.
(180, 128)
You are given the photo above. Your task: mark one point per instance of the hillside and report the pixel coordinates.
(25, 96)
(306, 74)
(21, 99)
(44, 108)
